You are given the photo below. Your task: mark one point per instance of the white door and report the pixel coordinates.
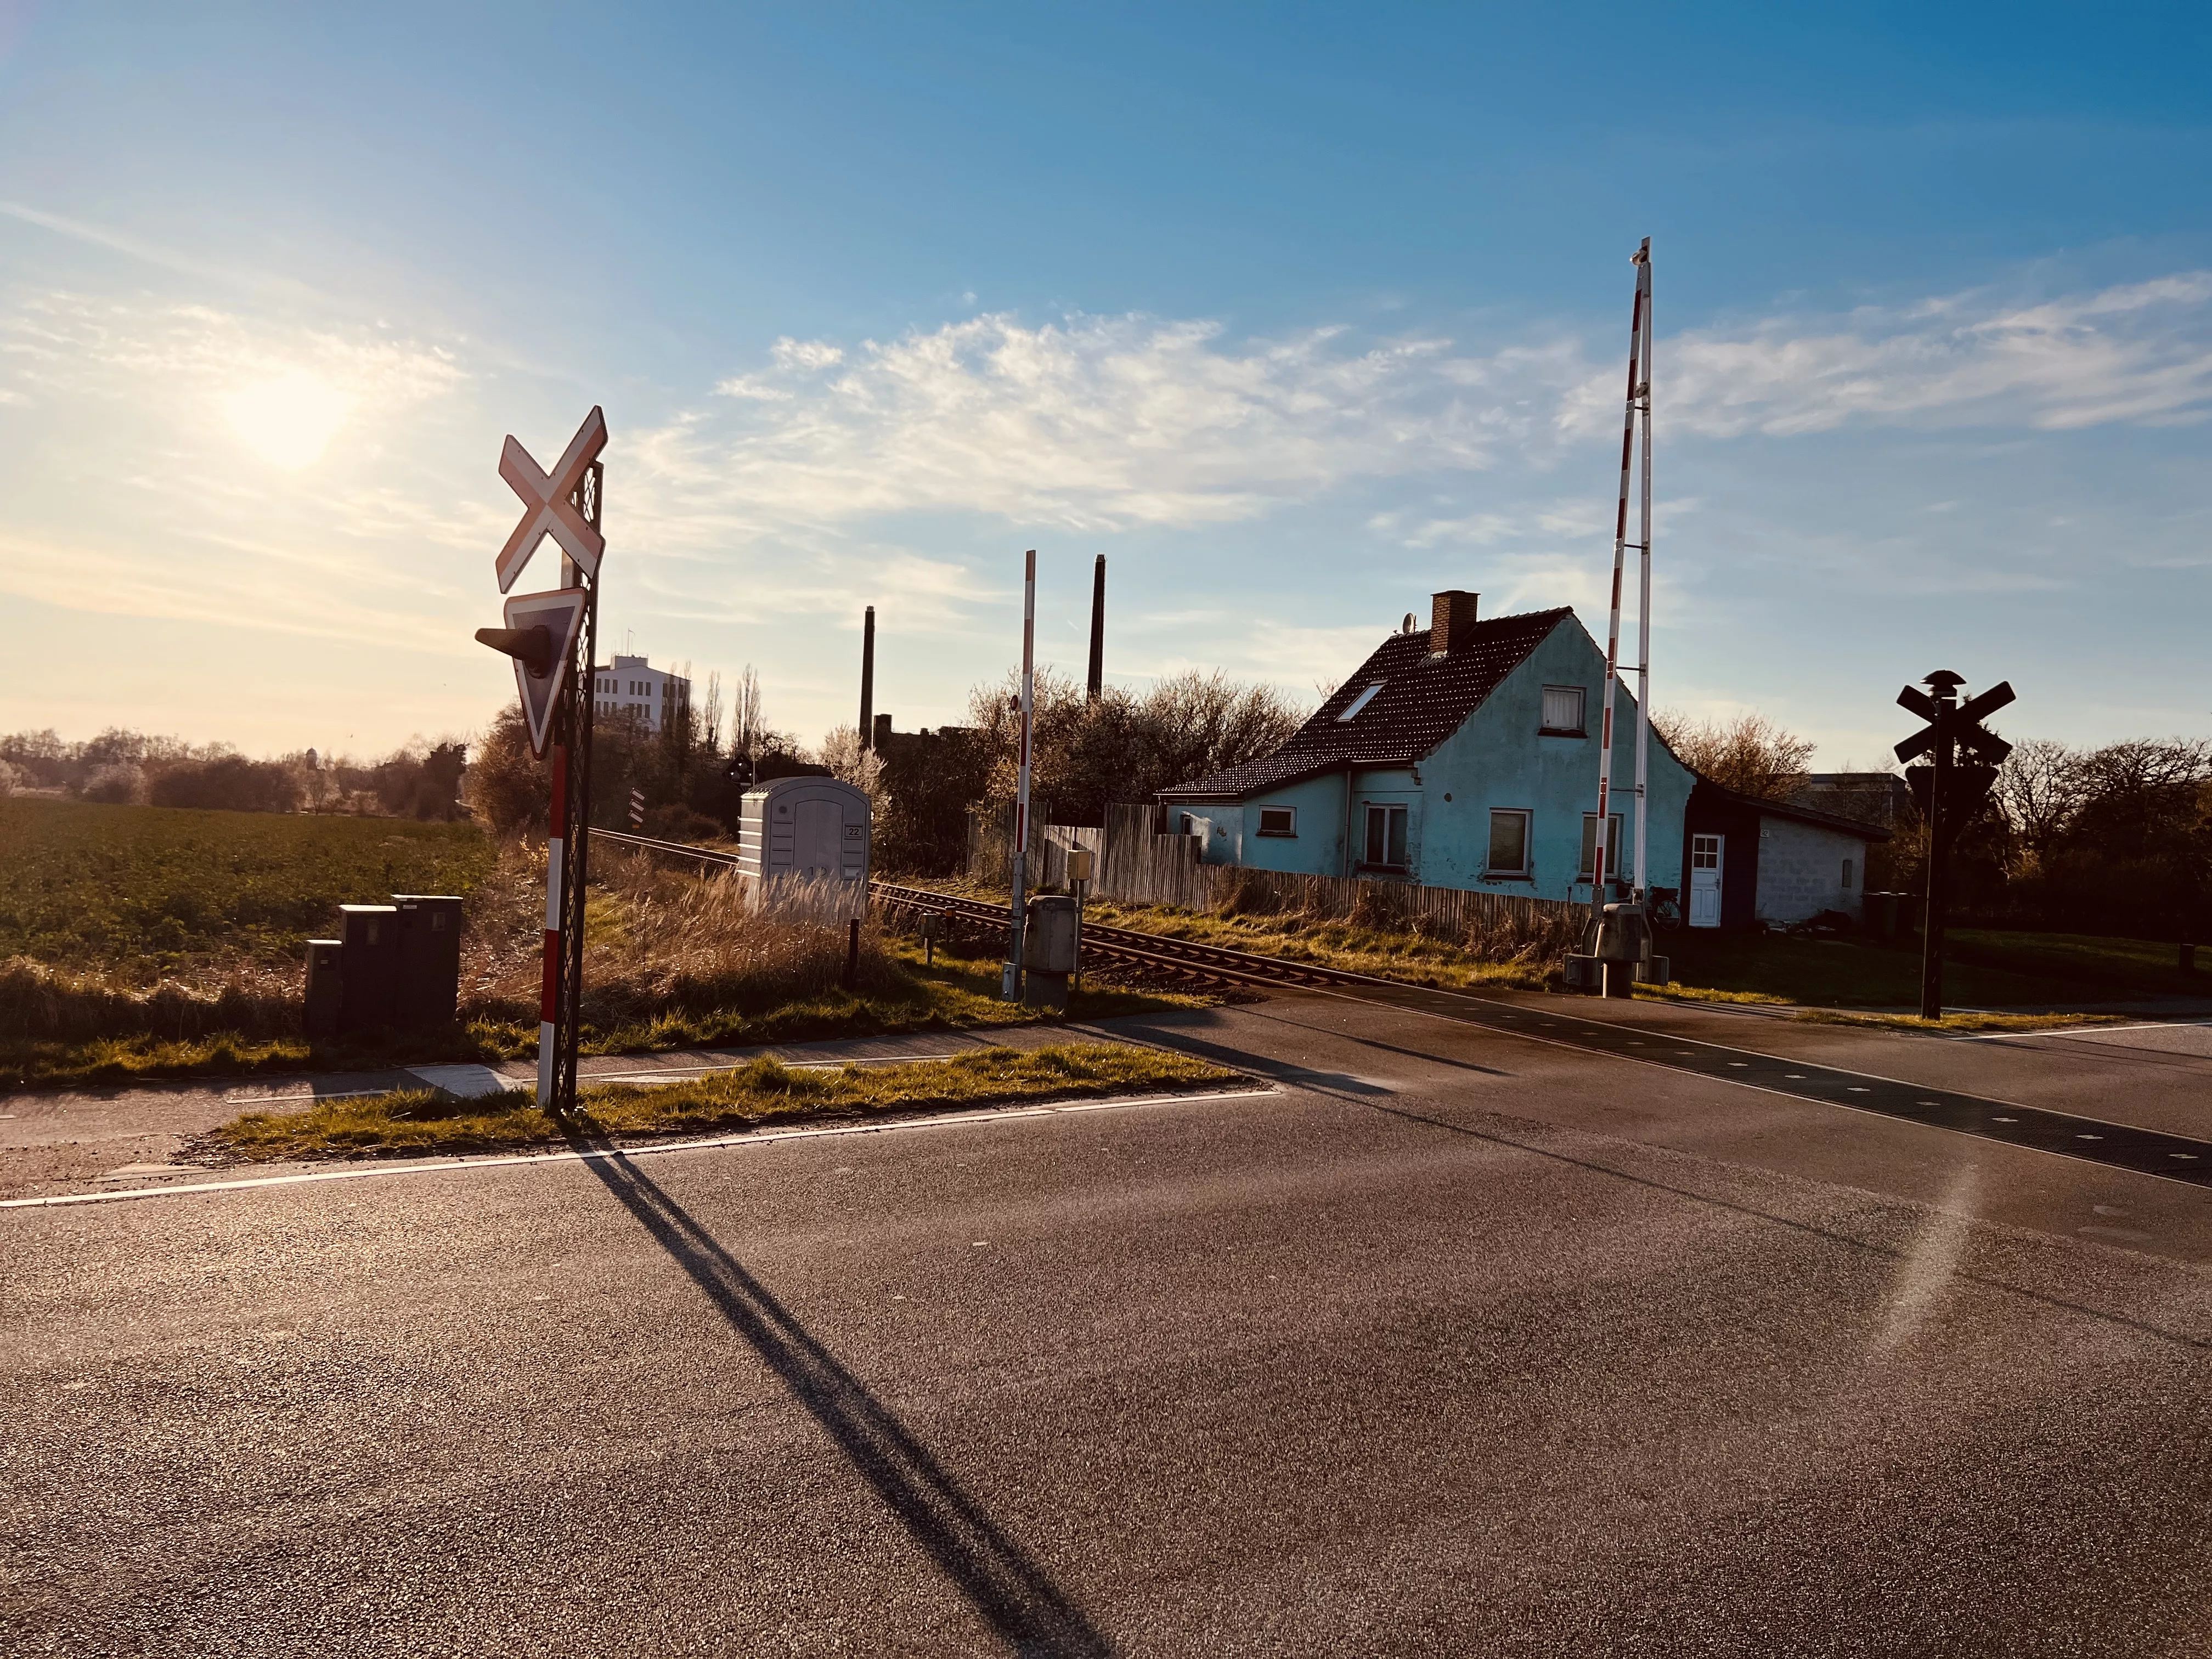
(1705, 881)
(817, 841)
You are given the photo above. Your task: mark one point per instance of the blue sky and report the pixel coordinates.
(1295, 313)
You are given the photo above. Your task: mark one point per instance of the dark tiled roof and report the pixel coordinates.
(1424, 699)
(1799, 809)
(1882, 799)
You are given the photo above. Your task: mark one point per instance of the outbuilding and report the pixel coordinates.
(1751, 862)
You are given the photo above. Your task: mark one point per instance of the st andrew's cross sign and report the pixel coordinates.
(552, 501)
(1962, 760)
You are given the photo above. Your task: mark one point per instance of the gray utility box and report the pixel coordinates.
(428, 965)
(1048, 950)
(325, 968)
(810, 833)
(368, 966)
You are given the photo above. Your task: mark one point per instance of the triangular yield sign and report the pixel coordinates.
(561, 614)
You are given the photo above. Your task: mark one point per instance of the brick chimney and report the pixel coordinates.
(1452, 619)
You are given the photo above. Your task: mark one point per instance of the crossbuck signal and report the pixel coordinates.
(1950, 786)
(542, 633)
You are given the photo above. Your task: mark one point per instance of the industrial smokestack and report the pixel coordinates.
(1097, 685)
(868, 679)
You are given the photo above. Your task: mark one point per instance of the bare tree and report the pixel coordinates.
(849, 762)
(748, 726)
(710, 713)
(1751, 754)
(2040, 789)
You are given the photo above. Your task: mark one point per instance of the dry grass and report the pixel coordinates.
(423, 1121)
(1502, 955)
(657, 941)
(671, 961)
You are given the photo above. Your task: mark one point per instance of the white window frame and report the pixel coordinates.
(1288, 829)
(1391, 811)
(1590, 846)
(1351, 709)
(1547, 727)
(1527, 838)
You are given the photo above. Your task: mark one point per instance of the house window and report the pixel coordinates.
(1589, 846)
(1509, 843)
(1847, 873)
(1563, 711)
(1184, 826)
(1278, 821)
(1386, 837)
(1360, 702)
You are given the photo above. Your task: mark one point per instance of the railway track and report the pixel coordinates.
(1176, 961)
(1131, 947)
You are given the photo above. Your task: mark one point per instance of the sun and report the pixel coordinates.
(288, 421)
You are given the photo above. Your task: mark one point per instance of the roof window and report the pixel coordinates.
(1359, 702)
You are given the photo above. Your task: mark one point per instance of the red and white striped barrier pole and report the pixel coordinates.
(549, 1000)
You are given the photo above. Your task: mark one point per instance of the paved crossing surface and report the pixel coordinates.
(1452, 1341)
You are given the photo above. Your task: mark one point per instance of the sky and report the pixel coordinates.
(1295, 313)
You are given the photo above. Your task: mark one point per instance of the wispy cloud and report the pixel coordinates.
(1096, 423)
(2140, 353)
(1133, 421)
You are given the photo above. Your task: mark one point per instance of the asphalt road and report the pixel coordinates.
(1452, 1342)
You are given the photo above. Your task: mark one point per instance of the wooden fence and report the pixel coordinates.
(1137, 865)
(991, 847)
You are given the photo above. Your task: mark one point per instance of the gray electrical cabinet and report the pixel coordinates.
(1048, 950)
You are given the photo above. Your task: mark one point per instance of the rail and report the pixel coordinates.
(1173, 958)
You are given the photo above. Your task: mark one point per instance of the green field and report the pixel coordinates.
(83, 885)
(2134, 964)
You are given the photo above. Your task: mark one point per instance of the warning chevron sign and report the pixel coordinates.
(541, 669)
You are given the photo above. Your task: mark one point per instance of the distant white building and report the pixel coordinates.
(631, 685)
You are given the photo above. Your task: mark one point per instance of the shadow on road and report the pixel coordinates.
(1011, 1591)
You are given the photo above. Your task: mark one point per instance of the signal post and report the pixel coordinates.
(552, 675)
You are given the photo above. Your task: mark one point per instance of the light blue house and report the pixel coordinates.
(1463, 754)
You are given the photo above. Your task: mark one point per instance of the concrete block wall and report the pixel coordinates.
(1801, 871)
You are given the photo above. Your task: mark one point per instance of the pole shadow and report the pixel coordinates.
(1010, 1589)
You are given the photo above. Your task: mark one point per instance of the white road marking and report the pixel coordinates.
(2082, 1030)
(737, 1142)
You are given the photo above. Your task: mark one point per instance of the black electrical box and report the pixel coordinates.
(367, 966)
(429, 967)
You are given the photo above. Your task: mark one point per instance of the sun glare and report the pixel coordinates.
(288, 421)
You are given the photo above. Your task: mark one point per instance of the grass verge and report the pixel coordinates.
(1957, 1022)
(957, 994)
(766, 1090)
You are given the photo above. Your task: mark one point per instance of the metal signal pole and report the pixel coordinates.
(1946, 698)
(1639, 392)
(589, 500)
(1010, 984)
(1643, 598)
